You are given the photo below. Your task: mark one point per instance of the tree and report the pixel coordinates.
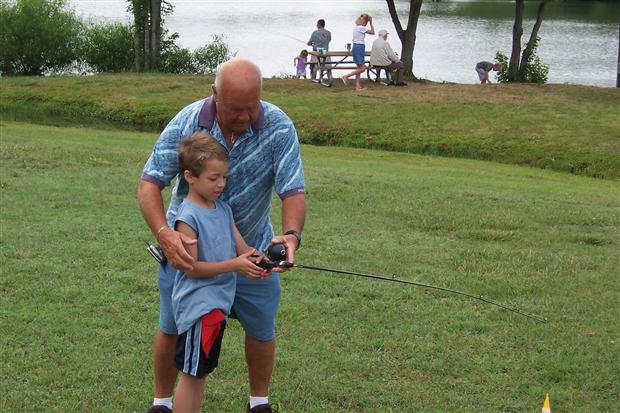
(408, 36)
(148, 31)
(517, 66)
(107, 47)
(37, 36)
(618, 68)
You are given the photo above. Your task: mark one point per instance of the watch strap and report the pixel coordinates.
(297, 235)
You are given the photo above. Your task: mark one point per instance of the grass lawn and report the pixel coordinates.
(80, 304)
(561, 127)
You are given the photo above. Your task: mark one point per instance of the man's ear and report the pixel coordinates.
(214, 92)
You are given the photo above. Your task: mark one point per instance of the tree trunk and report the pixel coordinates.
(618, 68)
(155, 33)
(407, 37)
(529, 48)
(139, 27)
(137, 51)
(146, 66)
(517, 32)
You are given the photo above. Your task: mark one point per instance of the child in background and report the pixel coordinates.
(300, 63)
(202, 298)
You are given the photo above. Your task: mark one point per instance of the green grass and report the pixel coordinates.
(80, 304)
(566, 128)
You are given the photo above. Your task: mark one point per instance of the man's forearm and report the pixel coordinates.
(294, 213)
(151, 206)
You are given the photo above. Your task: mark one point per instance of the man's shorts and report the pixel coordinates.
(482, 74)
(314, 61)
(255, 306)
(198, 349)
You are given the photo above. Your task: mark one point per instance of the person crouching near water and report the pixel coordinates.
(483, 69)
(359, 48)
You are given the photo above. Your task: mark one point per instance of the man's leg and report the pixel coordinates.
(260, 357)
(396, 68)
(165, 374)
(164, 345)
(328, 66)
(255, 306)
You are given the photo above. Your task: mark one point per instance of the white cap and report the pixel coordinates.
(383, 32)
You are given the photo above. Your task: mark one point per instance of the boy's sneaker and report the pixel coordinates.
(159, 409)
(263, 408)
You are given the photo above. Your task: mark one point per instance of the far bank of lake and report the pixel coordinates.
(579, 39)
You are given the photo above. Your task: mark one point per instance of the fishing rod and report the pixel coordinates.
(276, 253)
(294, 38)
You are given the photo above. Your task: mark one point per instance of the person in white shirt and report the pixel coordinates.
(383, 56)
(359, 48)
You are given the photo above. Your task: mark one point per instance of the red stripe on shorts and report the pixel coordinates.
(211, 326)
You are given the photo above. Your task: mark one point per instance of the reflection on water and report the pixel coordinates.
(579, 39)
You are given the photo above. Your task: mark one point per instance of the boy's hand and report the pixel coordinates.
(173, 243)
(246, 264)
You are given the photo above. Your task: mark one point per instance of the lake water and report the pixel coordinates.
(579, 40)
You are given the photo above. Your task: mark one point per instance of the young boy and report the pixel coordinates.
(202, 298)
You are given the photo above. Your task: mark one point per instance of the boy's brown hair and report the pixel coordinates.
(195, 151)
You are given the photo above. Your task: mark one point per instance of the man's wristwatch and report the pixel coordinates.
(297, 235)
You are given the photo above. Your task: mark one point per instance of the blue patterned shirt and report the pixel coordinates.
(264, 157)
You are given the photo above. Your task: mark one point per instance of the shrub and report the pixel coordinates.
(174, 58)
(108, 47)
(204, 60)
(535, 70)
(208, 57)
(36, 36)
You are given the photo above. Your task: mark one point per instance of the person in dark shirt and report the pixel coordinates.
(483, 69)
(319, 39)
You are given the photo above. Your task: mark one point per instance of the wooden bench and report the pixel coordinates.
(339, 60)
(376, 71)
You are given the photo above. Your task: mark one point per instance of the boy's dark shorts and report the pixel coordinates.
(198, 349)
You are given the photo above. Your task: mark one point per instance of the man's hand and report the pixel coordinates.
(290, 241)
(173, 243)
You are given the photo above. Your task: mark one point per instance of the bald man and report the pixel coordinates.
(263, 151)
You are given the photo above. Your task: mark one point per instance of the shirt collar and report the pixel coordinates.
(206, 118)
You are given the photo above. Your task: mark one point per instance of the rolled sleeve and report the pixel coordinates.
(289, 172)
(163, 164)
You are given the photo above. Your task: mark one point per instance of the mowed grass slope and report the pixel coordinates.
(561, 127)
(80, 303)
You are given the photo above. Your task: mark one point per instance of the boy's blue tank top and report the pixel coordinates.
(194, 297)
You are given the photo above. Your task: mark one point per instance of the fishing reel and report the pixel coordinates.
(275, 257)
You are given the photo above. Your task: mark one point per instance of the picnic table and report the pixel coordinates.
(338, 60)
